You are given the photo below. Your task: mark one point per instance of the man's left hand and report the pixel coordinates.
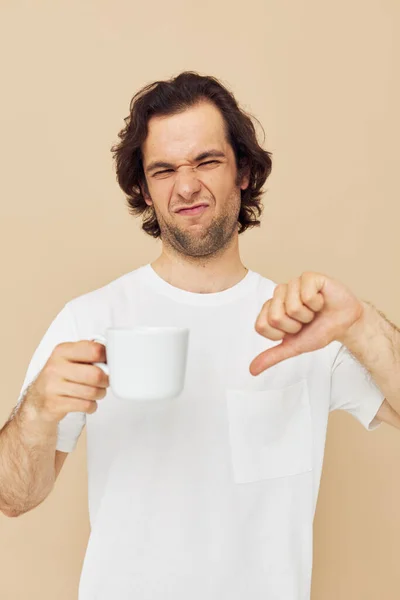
(307, 313)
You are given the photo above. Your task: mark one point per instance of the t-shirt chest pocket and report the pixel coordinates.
(270, 432)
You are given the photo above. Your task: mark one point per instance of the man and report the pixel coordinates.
(212, 495)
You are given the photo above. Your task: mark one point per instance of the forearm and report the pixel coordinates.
(375, 343)
(27, 452)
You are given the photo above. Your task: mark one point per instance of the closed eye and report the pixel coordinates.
(209, 162)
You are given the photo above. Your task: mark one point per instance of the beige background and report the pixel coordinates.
(322, 78)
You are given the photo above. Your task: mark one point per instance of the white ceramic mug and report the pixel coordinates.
(145, 363)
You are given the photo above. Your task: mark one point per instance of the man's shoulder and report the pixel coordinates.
(266, 286)
(103, 295)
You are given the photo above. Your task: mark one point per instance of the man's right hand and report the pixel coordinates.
(69, 382)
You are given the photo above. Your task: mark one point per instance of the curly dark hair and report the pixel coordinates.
(172, 97)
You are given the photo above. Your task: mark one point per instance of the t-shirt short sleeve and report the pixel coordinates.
(62, 329)
(354, 390)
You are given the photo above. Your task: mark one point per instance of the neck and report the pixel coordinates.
(202, 277)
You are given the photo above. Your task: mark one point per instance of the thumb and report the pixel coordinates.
(273, 356)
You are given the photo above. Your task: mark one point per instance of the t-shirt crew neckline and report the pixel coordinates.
(240, 289)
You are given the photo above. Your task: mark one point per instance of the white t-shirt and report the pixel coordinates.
(211, 495)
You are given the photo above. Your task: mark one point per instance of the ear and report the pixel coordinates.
(145, 195)
(245, 179)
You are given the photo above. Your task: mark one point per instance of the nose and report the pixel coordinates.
(187, 184)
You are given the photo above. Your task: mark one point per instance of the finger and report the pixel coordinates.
(72, 404)
(310, 290)
(277, 316)
(272, 356)
(84, 351)
(85, 374)
(264, 328)
(83, 392)
(294, 304)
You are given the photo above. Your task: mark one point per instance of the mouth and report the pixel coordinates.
(196, 210)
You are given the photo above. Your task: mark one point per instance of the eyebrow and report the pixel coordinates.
(159, 164)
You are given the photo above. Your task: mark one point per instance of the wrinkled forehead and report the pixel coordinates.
(184, 135)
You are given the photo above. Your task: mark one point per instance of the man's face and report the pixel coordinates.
(189, 179)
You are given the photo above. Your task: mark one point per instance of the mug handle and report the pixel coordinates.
(100, 339)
